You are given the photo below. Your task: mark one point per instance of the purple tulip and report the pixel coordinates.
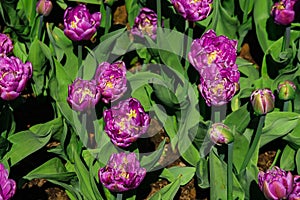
(80, 24)
(14, 76)
(193, 10)
(145, 23)
(44, 7)
(262, 101)
(295, 194)
(212, 52)
(283, 12)
(217, 92)
(7, 186)
(275, 183)
(83, 95)
(220, 134)
(122, 172)
(125, 122)
(111, 80)
(6, 45)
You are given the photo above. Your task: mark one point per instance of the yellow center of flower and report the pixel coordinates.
(218, 89)
(74, 23)
(109, 85)
(131, 114)
(212, 56)
(84, 93)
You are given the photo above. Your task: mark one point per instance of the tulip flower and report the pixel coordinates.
(44, 7)
(275, 183)
(145, 23)
(220, 134)
(14, 75)
(286, 90)
(80, 24)
(6, 45)
(111, 80)
(193, 10)
(83, 95)
(126, 122)
(122, 172)
(283, 12)
(7, 186)
(217, 92)
(211, 53)
(295, 194)
(262, 101)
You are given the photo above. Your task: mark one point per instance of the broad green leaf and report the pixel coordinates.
(52, 169)
(167, 192)
(274, 128)
(287, 159)
(19, 50)
(202, 173)
(185, 174)
(293, 138)
(150, 161)
(133, 9)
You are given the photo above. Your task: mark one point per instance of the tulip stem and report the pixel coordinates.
(275, 159)
(79, 55)
(158, 10)
(229, 172)
(119, 196)
(107, 18)
(286, 105)
(287, 38)
(254, 144)
(189, 42)
(40, 27)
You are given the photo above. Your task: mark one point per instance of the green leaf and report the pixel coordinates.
(19, 50)
(133, 9)
(167, 192)
(287, 159)
(185, 174)
(239, 119)
(293, 138)
(52, 169)
(150, 161)
(274, 125)
(297, 158)
(202, 172)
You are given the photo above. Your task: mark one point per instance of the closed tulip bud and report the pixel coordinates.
(286, 90)
(7, 186)
(275, 183)
(262, 101)
(220, 134)
(44, 7)
(122, 172)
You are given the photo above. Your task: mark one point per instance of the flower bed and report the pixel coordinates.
(163, 101)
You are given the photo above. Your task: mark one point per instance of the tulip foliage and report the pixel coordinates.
(175, 67)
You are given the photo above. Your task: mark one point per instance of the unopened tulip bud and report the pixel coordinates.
(286, 90)
(262, 101)
(44, 7)
(220, 134)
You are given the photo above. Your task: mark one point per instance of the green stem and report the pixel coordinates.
(255, 142)
(275, 159)
(107, 19)
(158, 7)
(189, 42)
(119, 196)
(229, 172)
(287, 38)
(79, 56)
(40, 27)
(286, 105)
